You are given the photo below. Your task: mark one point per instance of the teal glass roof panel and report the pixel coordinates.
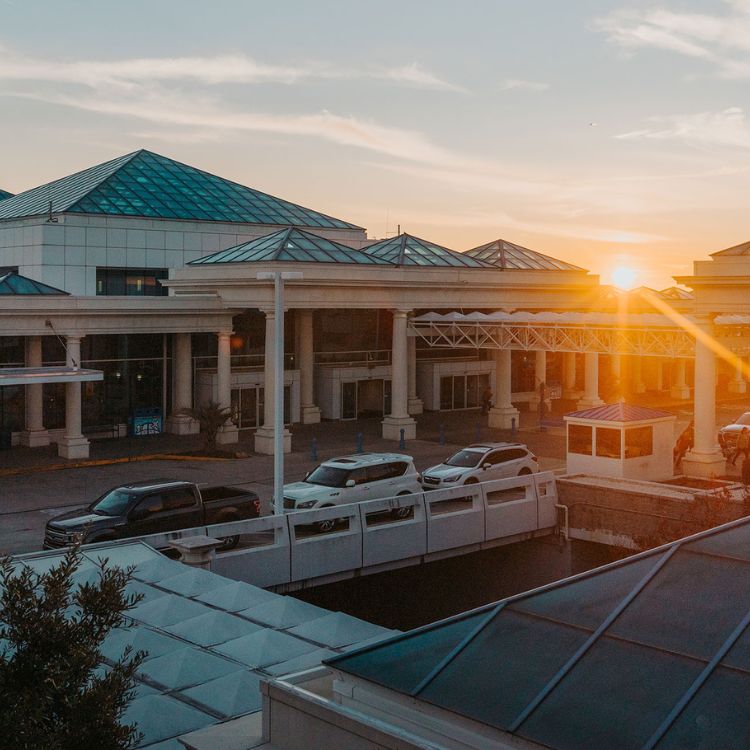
(730, 543)
(587, 601)
(615, 698)
(264, 647)
(511, 660)
(232, 695)
(291, 244)
(508, 255)
(212, 628)
(186, 667)
(160, 717)
(407, 250)
(403, 662)
(672, 611)
(237, 595)
(337, 630)
(5, 194)
(709, 721)
(11, 283)
(147, 184)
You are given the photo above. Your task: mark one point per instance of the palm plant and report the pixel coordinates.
(211, 417)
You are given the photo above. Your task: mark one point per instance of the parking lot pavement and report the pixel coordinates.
(28, 501)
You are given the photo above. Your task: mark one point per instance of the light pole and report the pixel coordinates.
(278, 278)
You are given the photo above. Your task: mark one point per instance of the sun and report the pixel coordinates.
(624, 277)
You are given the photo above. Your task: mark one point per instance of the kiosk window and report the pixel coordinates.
(579, 439)
(608, 442)
(639, 441)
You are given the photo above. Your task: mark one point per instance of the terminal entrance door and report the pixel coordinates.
(247, 406)
(365, 398)
(462, 391)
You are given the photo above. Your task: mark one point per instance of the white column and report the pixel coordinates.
(310, 413)
(705, 459)
(503, 412)
(264, 434)
(34, 434)
(659, 375)
(540, 376)
(591, 386)
(399, 417)
(680, 389)
(637, 375)
(228, 433)
(73, 444)
(414, 405)
(569, 376)
(738, 384)
(179, 422)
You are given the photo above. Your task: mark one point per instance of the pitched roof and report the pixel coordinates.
(674, 292)
(146, 184)
(508, 255)
(11, 283)
(741, 249)
(653, 650)
(407, 250)
(5, 194)
(620, 412)
(293, 245)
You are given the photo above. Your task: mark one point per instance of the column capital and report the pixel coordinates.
(225, 334)
(401, 312)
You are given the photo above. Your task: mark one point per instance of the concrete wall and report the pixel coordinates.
(66, 253)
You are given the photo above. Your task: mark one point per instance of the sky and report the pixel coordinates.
(602, 132)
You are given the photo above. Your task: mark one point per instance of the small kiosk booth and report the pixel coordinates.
(621, 440)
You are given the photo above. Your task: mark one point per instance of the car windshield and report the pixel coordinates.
(328, 476)
(114, 503)
(744, 419)
(465, 459)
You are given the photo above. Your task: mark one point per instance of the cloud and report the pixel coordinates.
(723, 40)
(727, 128)
(220, 69)
(518, 83)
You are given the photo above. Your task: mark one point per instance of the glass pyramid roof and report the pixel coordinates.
(290, 244)
(146, 184)
(5, 194)
(651, 651)
(13, 284)
(406, 250)
(508, 255)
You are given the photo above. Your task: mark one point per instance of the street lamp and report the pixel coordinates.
(278, 278)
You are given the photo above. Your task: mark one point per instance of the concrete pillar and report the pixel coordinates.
(310, 413)
(705, 459)
(680, 389)
(228, 433)
(414, 405)
(503, 412)
(34, 435)
(660, 375)
(399, 418)
(540, 376)
(569, 376)
(180, 423)
(264, 434)
(591, 387)
(638, 386)
(738, 384)
(73, 444)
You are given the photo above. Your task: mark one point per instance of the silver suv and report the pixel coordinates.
(480, 463)
(353, 479)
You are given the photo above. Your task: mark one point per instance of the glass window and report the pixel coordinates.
(130, 282)
(639, 441)
(113, 503)
(151, 504)
(608, 442)
(465, 459)
(360, 476)
(580, 439)
(378, 472)
(180, 498)
(328, 476)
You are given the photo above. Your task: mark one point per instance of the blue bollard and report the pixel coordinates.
(402, 441)
(478, 433)
(512, 425)
(442, 435)
(360, 443)
(314, 449)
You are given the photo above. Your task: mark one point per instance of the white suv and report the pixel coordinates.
(353, 479)
(480, 463)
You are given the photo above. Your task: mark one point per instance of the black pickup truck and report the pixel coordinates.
(153, 507)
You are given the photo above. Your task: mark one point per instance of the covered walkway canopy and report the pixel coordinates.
(41, 375)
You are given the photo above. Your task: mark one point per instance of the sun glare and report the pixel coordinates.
(624, 277)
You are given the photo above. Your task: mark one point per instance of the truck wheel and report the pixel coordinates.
(229, 542)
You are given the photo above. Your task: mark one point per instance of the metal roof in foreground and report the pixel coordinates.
(648, 652)
(32, 375)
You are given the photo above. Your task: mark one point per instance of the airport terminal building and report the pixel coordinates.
(130, 292)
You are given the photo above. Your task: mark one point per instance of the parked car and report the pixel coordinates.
(353, 479)
(151, 507)
(480, 463)
(728, 434)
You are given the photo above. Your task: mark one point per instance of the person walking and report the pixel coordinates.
(486, 401)
(742, 445)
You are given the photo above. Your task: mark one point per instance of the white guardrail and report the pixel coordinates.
(305, 545)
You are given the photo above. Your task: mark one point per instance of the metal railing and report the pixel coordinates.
(368, 357)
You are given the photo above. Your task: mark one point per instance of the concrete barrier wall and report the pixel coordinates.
(277, 550)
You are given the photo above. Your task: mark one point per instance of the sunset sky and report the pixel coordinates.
(605, 133)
